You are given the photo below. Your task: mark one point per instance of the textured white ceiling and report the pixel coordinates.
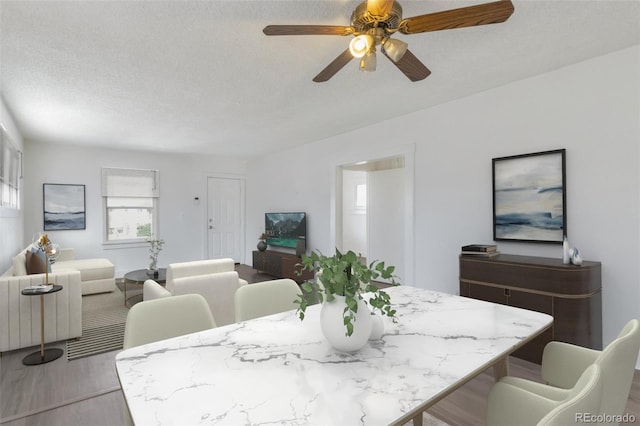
(201, 77)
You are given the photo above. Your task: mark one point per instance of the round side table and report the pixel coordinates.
(139, 276)
(43, 355)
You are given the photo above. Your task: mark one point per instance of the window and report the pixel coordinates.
(9, 172)
(131, 204)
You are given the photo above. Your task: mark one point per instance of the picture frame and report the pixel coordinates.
(529, 197)
(64, 207)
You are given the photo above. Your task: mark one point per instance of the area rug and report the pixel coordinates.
(103, 319)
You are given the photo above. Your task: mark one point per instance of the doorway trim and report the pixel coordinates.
(406, 151)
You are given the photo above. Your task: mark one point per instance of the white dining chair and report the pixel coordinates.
(160, 319)
(265, 298)
(164, 318)
(563, 363)
(509, 405)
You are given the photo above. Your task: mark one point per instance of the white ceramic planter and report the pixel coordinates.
(334, 330)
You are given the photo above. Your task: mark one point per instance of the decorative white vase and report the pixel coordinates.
(566, 254)
(377, 327)
(334, 330)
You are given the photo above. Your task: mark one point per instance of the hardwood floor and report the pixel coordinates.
(80, 392)
(86, 392)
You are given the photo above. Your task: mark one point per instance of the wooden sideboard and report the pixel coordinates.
(571, 294)
(280, 264)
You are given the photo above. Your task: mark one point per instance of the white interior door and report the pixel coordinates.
(224, 218)
(386, 218)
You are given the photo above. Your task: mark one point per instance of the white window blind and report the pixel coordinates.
(130, 200)
(129, 183)
(9, 172)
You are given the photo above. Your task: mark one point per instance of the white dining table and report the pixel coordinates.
(280, 370)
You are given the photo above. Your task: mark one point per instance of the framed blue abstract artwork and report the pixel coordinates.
(64, 207)
(529, 197)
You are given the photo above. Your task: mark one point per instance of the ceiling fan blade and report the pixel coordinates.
(412, 67)
(279, 30)
(336, 65)
(379, 7)
(482, 14)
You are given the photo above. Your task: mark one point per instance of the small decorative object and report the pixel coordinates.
(576, 259)
(377, 327)
(566, 255)
(44, 243)
(154, 251)
(345, 319)
(262, 242)
(50, 250)
(301, 246)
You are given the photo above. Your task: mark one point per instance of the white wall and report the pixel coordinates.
(592, 109)
(181, 218)
(11, 220)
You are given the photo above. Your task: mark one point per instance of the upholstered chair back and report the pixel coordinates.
(265, 298)
(218, 290)
(197, 267)
(159, 319)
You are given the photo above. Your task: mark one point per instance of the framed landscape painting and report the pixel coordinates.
(529, 197)
(64, 207)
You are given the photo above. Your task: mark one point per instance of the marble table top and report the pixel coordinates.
(280, 370)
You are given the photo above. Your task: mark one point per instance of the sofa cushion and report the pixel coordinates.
(20, 264)
(90, 269)
(41, 255)
(34, 264)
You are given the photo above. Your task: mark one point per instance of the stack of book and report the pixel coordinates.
(484, 250)
(36, 289)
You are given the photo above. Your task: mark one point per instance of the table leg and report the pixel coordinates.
(501, 368)
(42, 356)
(417, 420)
(124, 283)
(42, 326)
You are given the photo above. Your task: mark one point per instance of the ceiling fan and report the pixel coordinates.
(373, 22)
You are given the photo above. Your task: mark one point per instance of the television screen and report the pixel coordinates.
(284, 229)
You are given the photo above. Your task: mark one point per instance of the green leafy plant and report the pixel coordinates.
(343, 274)
(154, 250)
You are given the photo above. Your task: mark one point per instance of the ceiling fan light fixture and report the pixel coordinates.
(394, 49)
(368, 62)
(360, 45)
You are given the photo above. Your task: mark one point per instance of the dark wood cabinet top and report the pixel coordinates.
(283, 254)
(537, 274)
(514, 259)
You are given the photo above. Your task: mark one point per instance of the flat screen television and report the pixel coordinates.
(284, 229)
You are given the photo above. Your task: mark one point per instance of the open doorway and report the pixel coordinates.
(374, 212)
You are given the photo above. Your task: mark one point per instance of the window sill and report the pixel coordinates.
(116, 245)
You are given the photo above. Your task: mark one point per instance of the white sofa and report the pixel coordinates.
(215, 279)
(96, 275)
(20, 315)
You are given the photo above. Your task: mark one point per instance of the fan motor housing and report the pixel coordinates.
(361, 20)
